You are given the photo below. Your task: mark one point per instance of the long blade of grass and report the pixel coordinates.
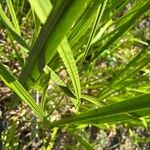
(111, 119)
(52, 140)
(98, 19)
(12, 29)
(13, 16)
(144, 90)
(69, 62)
(13, 83)
(101, 32)
(93, 100)
(6, 20)
(119, 118)
(130, 105)
(83, 23)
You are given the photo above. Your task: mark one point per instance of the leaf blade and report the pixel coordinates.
(12, 83)
(69, 62)
(130, 105)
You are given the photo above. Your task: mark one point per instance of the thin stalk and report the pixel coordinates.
(98, 18)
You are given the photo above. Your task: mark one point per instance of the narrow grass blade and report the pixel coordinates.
(101, 32)
(69, 62)
(98, 19)
(112, 119)
(12, 83)
(42, 8)
(120, 118)
(43, 99)
(144, 90)
(37, 26)
(52, 140)
(12, 29)
(110, 20)
(6, 20)
(13, 15)
(22, 5)
(130, 105)
(93, 100)
(83, 23)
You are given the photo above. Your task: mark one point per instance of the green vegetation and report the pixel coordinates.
(80, 63)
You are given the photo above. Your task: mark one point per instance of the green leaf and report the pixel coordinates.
(69, 62)
(13, 30)
(127, 106)
(101, 31)
(94, 28)
(42, 8)
(52, 140)
(83, 23)
(92, 100)
(13, 15)
(13, 83)
(127, 118)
